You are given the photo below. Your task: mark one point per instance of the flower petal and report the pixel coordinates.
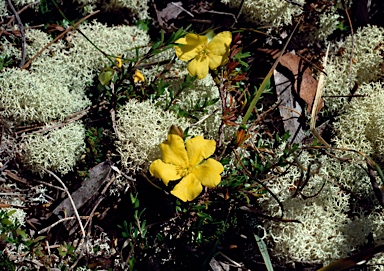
(208, 173)
(173, 151)
(215, 61)
(199, 149)
(188, 188)
(220, 43)
(190, 43)
(219, 48)
(199, 66)
(166, 172)
(138, 77)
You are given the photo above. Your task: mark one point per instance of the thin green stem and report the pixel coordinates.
(265, 82)
(74, 27)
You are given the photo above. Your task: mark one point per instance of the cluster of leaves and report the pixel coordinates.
(13, 234)
(134, 233)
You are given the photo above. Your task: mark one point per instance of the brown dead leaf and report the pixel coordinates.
(304, 85)
(55, 27)
(15, 177)
(171, 11)
(290, 111)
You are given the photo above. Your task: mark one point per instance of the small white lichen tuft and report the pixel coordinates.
(57, 150)
(138, 7)
(361, 127)
(35, 98)
(327, 24)
(275, 12)
(194, 97)
(319, 238)
(18, 216)
(3, 9)
(366, 66)
(142, 126)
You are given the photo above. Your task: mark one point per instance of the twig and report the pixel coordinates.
(57, 38)
(70, 199)
(51, 185)
(183, 9)
(203, 118)
(113, 112)
(316, 103)
(54, 224)
(89, 220)
(222, 13)
(20, 11)
(98, 203)
(229, 259)
(69, 119)
(352, 45)
(22, 32)
(239, 13)
(372, 178)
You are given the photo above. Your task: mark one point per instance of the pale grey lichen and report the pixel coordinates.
(138, 7)
(19, 215)
(36, 40)
(142, 127)
(275, 13)
(367, 66)
(361, 126)
(115, 41)
(57, 150)
(29, 97)
(3, 8)
(319, 238)
(209, 119)
(55, 85)
(327, 24)
(332, 222)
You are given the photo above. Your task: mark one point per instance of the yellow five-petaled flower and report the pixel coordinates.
(204, 53)
(186, 162)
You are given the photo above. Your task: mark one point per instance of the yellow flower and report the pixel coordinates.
(138, 77)
(119, 62)
(187, 163)
(204, 54)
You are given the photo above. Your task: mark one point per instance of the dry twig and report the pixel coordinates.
(22, 33)
(70, 199)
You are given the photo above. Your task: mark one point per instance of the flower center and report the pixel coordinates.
(202, 51)
(182, 170)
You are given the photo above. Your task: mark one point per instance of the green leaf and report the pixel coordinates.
(22, 233)
(106, 76)
(264, 252)
(6, 221)
(38, 239)
(156, 45)
(11, 213)
(143, 24)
